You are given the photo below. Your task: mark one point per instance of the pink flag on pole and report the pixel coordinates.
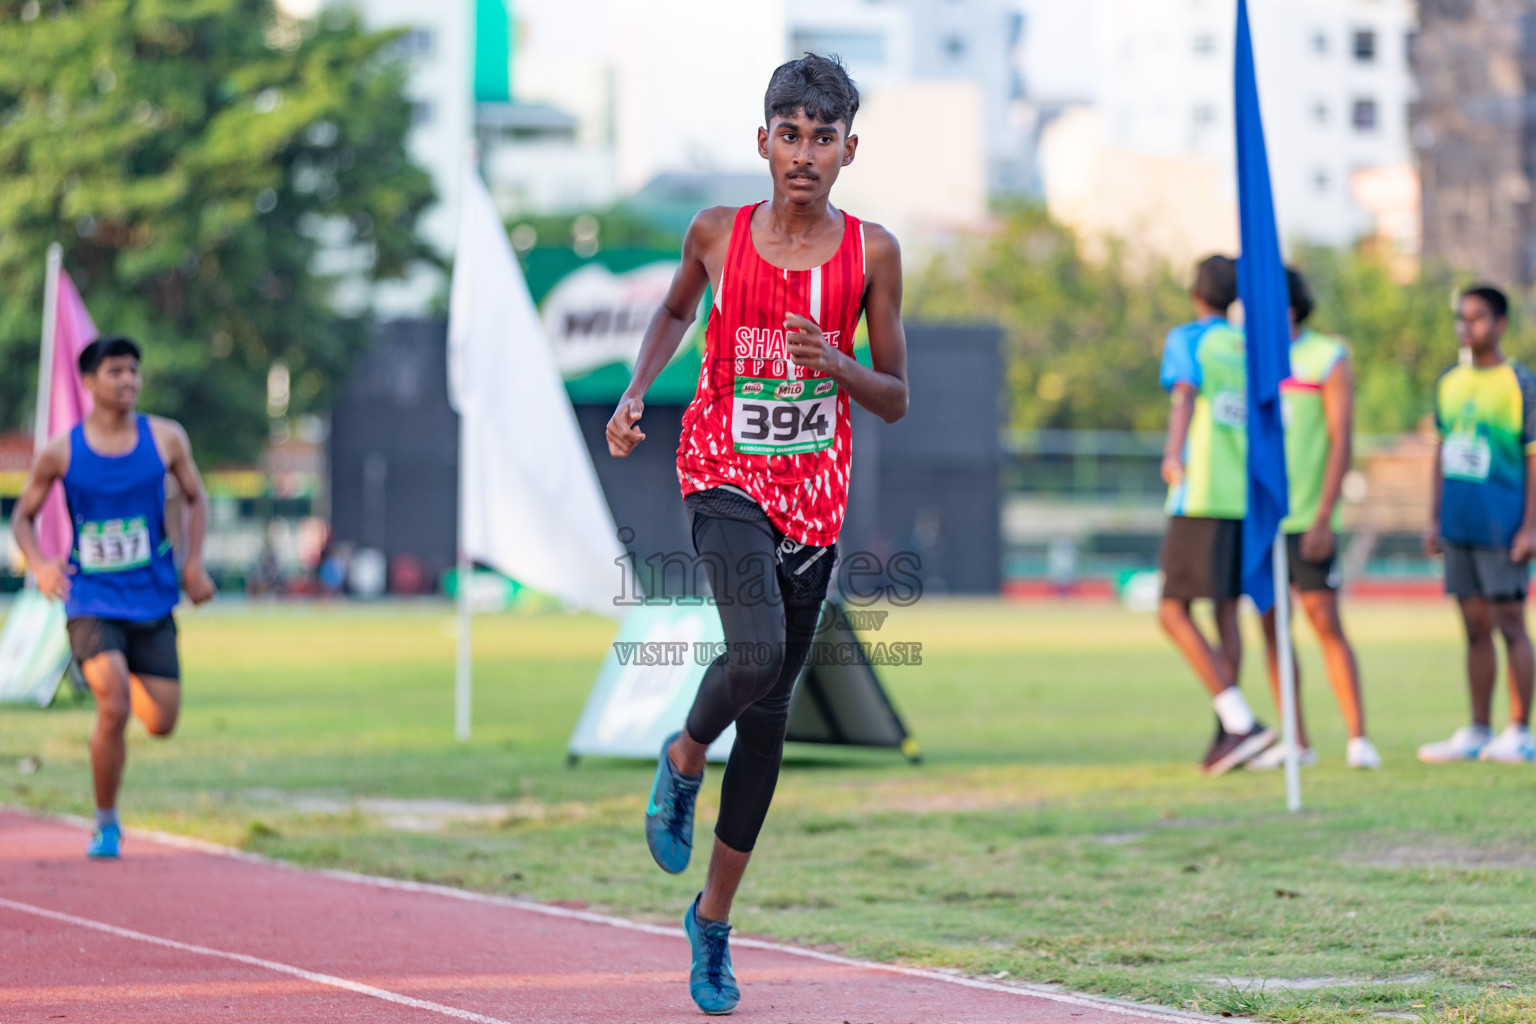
(68, 404)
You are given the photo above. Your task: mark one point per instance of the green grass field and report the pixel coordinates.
(1057, 830)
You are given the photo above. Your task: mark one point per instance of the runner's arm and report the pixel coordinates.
(1525, 540)
(668, 327)
(1180, 411)
(1436, 489)
(880, 387)
(1339, 414)
(178, 449)
(52, 577)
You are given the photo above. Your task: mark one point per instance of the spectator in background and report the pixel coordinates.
(1482, 520)
(332, 572)
(1319, 405)
(1205, 466)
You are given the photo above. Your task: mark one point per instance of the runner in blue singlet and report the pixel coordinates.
(120, 583)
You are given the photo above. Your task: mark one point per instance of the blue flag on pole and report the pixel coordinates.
(1262, 285)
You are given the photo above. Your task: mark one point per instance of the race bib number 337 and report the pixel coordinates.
(114, 546)
(782, 417)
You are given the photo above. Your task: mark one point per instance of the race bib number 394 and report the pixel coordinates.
(770, 416)
(116, 545)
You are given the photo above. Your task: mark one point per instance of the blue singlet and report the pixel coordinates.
(124, 568)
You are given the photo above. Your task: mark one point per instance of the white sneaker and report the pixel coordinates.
(1361, 753)
(1464, 745)
(1512, 746)
(1274, 757)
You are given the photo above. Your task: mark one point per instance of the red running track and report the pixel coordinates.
(183, 931)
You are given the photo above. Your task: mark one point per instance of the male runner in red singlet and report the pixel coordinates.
(763, 462)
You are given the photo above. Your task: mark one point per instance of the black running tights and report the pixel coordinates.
(752, 682)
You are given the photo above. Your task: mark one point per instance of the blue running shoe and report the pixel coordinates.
(106, 843)
(669, 815)
(712, 983)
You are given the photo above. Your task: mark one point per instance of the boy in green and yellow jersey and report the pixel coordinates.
(1205, 464)
(1484, 520)
(1318, 402)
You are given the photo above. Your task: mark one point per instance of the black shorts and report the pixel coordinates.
(1310, 577)
(804, 571)
(149, 647)
(1202, 558)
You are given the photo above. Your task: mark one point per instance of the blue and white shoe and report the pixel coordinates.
(711, 982)
(1512, 746)
(1465, 744)
(669, 815)
(107, 843)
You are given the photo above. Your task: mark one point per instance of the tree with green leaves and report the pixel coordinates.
(1401, 334)
(195, 158)
(1085, 335)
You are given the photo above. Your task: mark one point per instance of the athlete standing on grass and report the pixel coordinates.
(1319, 405)
(1483, 520)
(1205, 464)
(763, 462)
(119, 584)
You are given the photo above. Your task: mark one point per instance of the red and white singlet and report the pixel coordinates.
(758, 422)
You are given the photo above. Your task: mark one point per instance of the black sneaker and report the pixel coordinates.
(1210, 752)
(1231, 750)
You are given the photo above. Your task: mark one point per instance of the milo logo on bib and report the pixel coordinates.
(770, 416)
(115, 545)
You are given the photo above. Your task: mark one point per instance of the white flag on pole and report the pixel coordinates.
(531, 503)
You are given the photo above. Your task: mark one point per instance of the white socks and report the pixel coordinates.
(1232, 708)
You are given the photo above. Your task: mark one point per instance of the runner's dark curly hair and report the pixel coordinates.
(818, 85)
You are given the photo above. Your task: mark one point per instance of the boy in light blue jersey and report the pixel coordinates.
(1205, 466)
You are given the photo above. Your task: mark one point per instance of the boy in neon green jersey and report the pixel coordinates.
(1205, 464)
(1484, 520)
(1318, 403)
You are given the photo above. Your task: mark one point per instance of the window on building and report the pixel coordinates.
(1364, 116)
(1319, 42)
(1203, 116)
(1321, 179)
(954, 48)
(1204, 44)
(422, 113)
(856, 48)
(1365, 45)
(415, 42)
(1320, 111)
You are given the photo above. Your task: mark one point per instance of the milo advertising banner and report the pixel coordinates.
(595, 313)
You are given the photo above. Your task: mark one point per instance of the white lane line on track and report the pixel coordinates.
(1161, 1015)
(253, 961)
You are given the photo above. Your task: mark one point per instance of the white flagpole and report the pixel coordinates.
(463, 681)
(45, 360)
(1288, 726)
(45, 356)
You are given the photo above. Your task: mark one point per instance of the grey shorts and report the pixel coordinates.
(1484, 572)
